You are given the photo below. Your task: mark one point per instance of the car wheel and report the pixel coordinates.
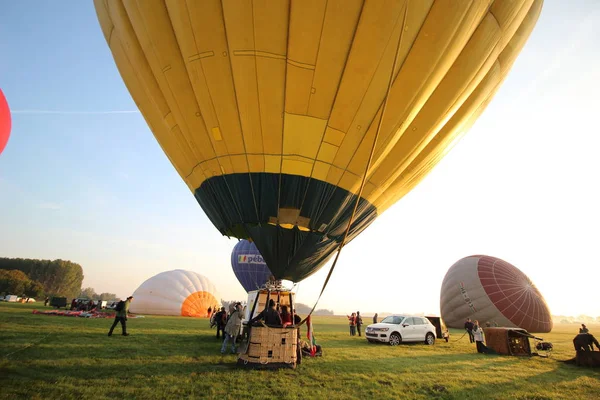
(429, 339)
(395, 339)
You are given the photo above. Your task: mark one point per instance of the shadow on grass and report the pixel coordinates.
(72, 345)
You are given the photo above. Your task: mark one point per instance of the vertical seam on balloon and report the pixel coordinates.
(402, 31)
(201, 67)
(180, 56)
(287, 52)
(364, 178)
(385, 100)
(255, 57)
(206, 179)
(237, 106)
(152, 49)
(142, 82)
(194, 149)
(327, 199)
(312, 83)
(394, 176)
(386, 184)
(315, 160)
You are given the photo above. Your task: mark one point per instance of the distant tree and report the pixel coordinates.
(107, 297)
(18, 283)
(58, 277)
(13, 282)
(34, 289)
(88, 293)
(323, 311)
(584, 318)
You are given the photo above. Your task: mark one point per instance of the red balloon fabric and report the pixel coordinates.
(493, 292)
(5, 122)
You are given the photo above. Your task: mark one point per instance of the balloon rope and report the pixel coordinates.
(368, 166)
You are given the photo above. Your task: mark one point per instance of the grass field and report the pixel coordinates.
(47, 357)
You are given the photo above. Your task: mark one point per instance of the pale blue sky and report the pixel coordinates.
(93, 187)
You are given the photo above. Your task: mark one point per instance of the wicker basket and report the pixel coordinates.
(270, 348)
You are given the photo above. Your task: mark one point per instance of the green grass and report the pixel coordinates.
(172, 357)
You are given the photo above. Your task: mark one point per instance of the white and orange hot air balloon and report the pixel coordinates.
(176, 292)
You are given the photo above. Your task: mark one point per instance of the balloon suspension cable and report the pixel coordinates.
(366, 173)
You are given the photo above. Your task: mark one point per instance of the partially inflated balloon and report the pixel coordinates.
(5, 122)
(249, 266)
(492, 291)
(270, 109)
(176, 292)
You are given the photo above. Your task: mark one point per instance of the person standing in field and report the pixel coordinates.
(121, 316)
(232, 329)
(221, 321)
(469, 328)
(375, 318)
(352, 323)
(358, 322)
(478, 336)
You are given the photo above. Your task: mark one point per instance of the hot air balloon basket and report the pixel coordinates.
(270, 348)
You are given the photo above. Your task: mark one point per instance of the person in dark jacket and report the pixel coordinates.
(270, 316)
(297, 318)
(221, 321)
(359, 322)
(121, 316)
(469, 328)
(375, 318)
(585, 342)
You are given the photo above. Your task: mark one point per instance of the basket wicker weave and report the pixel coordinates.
(271, 348)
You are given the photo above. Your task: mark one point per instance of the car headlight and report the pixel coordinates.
(384, 329)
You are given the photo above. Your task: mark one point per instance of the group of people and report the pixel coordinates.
(476, 335)
(277, 316)
(355, 322)
(230, 323)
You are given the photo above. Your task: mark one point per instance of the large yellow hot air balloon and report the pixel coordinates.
(281, 115)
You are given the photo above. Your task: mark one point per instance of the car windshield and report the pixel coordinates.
(392, 319)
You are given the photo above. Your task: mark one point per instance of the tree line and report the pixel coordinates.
(18, 283)
(90, 293)
(56, 277)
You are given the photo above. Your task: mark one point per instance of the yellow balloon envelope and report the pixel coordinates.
(273, 111)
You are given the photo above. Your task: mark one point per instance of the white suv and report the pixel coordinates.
(396, 329)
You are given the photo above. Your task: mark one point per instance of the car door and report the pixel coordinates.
(420, 328)
(408, 329)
